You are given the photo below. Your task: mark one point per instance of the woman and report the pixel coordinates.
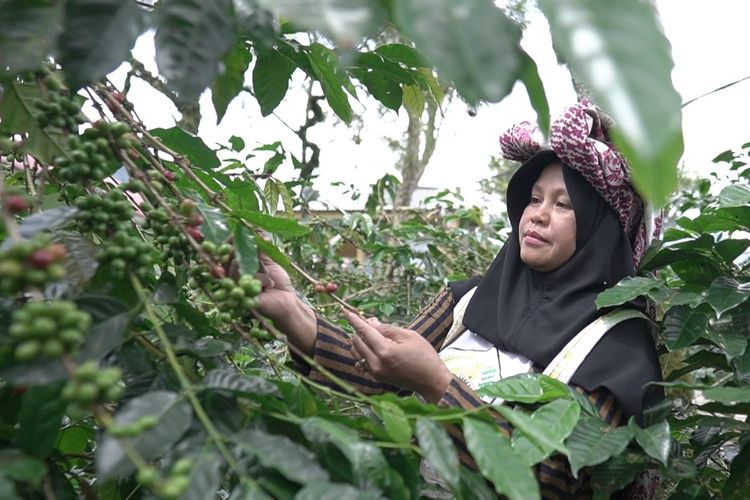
(578, 228)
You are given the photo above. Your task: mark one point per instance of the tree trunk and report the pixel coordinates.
(413, 165)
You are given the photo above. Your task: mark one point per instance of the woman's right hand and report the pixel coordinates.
(278, 301)
(278, 297)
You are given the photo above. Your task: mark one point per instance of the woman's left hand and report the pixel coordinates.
(400, 357)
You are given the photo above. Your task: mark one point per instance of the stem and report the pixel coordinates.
(187, 388)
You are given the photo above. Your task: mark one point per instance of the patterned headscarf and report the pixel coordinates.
(580, 139)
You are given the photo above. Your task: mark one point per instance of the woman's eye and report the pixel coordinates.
(535, 200)
(563, 204)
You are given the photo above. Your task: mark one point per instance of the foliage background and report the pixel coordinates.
(203, 400)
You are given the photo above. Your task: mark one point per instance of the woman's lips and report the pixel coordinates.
(533, 238)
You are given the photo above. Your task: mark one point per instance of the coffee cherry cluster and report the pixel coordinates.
(91, 384)
(91, 155)
(57, 110)
(171, 487)
(47, 329)
(329, 287)
(31, 264)
(168, 237)
(232, 299)
(103, 215)
(124, 252)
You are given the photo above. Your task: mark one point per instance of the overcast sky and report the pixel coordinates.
(709, 49)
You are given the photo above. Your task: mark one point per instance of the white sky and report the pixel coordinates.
(708, 43)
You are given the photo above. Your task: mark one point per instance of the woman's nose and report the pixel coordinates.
(541, 214)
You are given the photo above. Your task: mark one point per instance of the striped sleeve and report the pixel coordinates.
(333, 345)
(555, 478)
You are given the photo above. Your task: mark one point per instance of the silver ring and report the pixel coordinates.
(360, 364)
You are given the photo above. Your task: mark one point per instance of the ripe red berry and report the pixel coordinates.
(170, 176)
(195, 219)
(319, 288)
(195, 233)
(118, 97)
(133, 154)
(218, 272)
(331, 287)
(16, 203)
(58, 251)
(41, 259)
(19, 390)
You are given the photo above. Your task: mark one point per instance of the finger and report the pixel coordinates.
(392, 332)
(363, 352)
(265, 280)
(371, 337)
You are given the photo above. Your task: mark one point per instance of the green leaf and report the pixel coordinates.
(335, 491)
(173, 419)
(395, 422)
(683, 326)
(98, 37)
(497, 461)
(413, 98)
(205, 476)
(16, 117)
(734, 195)
(274, 253)
(246, 251)
(189, 145)
(627, 290)
(537, 433)
(559, 418)
(472, 43)
(167, 291)
(439, 450)
(535, 88)
(728, 394)
(215, 227)
(526, 388)
(738, 482)
(655, 440)
(593, 441)
(292, 460)
(28, 31)
(276, 225)
(616, 473)
(47, 220)
(39, 420)
(726, 293)
(237, 143)
(408, 56)
(368, 463)
(333, 80)
(383, 89)
(231, 81)
(105, 337)
(596, 40)
(19, 467)
(192, 38)
(271, 79)
(730, 249)
(229, 380)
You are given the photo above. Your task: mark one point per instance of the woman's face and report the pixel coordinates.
(547, 231)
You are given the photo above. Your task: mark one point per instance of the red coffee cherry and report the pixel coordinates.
(319, 288)
(331, 287)
(41, 259)
(16, 203)
(195, 233)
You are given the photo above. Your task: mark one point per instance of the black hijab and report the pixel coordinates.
(535, 314)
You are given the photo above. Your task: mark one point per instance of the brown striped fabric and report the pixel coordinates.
(332, 351)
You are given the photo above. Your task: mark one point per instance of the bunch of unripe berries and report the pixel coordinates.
(57, 110)
(90, 156)
(47, 329)
(124, 252)
(91, 384)
(103, 215)
(31, 264)
(171, 487)
(232, 299)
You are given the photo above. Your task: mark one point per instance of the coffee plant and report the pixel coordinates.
(133, 362)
